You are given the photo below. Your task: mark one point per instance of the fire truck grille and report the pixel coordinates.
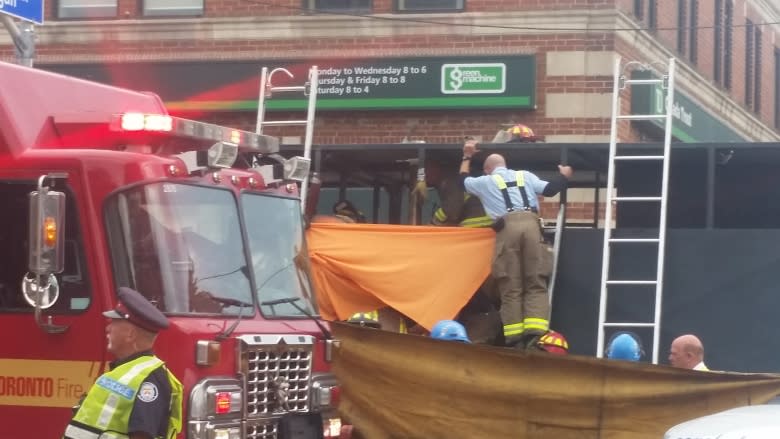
(261, 430)
(277, 373)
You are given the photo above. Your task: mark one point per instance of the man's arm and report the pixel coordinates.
(469, 148)
(559, 182)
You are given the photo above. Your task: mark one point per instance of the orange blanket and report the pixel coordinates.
(427, 273)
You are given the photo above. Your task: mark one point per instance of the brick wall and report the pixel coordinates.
(439, 126)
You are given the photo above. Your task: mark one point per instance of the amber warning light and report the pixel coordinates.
(50, 232)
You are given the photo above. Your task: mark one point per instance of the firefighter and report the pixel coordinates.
(510, 198)
(138, 398)
(457, 207)
(450, 330)
(624, 346)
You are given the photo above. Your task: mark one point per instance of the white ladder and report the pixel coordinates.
(308, 89)
(623, 82)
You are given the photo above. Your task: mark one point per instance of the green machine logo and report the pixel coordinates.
(473, 78)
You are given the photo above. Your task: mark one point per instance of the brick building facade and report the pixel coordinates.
(728, 75)
(572, 41)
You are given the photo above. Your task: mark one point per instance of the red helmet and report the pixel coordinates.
(554, 343)
(520, 133)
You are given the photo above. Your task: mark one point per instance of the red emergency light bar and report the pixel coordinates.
(245, 140)
(90, 129)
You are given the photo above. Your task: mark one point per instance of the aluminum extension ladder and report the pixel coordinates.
(308, 89)
(623, 82)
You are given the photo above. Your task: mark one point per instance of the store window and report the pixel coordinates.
(430, 5)
(337, 5)
(86, 9)
(161, 8)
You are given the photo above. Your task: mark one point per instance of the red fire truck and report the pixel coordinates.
(101, 188)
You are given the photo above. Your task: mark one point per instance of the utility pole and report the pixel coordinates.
(23, 37)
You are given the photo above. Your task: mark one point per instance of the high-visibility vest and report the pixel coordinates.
(105, 412)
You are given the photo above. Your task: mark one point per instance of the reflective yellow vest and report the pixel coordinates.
(109, 402)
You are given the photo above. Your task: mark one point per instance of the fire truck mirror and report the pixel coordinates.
(40, 296)
(46, 247)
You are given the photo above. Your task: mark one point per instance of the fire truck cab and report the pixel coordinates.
(103, 189)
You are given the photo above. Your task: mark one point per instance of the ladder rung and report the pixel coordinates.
(639, 157)
(643, 81)
(289, 88)
(281, 123)
(635, 325)
(634, 240)
(636, 199)
(632, 282)
(642, 116)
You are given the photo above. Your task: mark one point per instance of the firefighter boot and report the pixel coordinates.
(531, 342)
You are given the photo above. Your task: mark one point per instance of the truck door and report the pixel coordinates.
(44, 373)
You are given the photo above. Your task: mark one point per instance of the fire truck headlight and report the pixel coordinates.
(216, 398)
(326, 393)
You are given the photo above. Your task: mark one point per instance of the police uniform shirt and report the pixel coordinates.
(151, 408)
(492, 199)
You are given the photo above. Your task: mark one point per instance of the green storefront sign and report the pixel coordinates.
(690, 123)
(393, 83)
(461, 82)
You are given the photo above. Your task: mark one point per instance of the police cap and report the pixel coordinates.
(133, 307)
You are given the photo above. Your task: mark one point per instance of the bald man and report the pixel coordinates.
(510, 198)
(687, 352)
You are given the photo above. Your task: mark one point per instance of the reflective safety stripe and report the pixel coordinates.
(513, 329)
(440, 216)
(76, 432)
(520, 181)
(477, 221)
(537, 324)
(112, 402)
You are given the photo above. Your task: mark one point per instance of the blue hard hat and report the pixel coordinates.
(449, 330)
(624, 346)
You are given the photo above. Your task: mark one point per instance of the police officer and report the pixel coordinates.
(510, 198)
(138, 398)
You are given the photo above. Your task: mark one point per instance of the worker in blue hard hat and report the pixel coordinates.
(625, 346)
(450, 330)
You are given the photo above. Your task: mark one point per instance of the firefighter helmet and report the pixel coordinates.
(520, 133)
(368, 319)
(450, 330)
(554, 343)
(624, 346)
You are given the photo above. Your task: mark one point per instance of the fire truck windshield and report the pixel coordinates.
(279, 255)
(181, 246)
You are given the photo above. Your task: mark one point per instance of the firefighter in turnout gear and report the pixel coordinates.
(457, 208)
(138, 398)
(510, 198)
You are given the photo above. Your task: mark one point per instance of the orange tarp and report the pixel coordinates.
(427, 273)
